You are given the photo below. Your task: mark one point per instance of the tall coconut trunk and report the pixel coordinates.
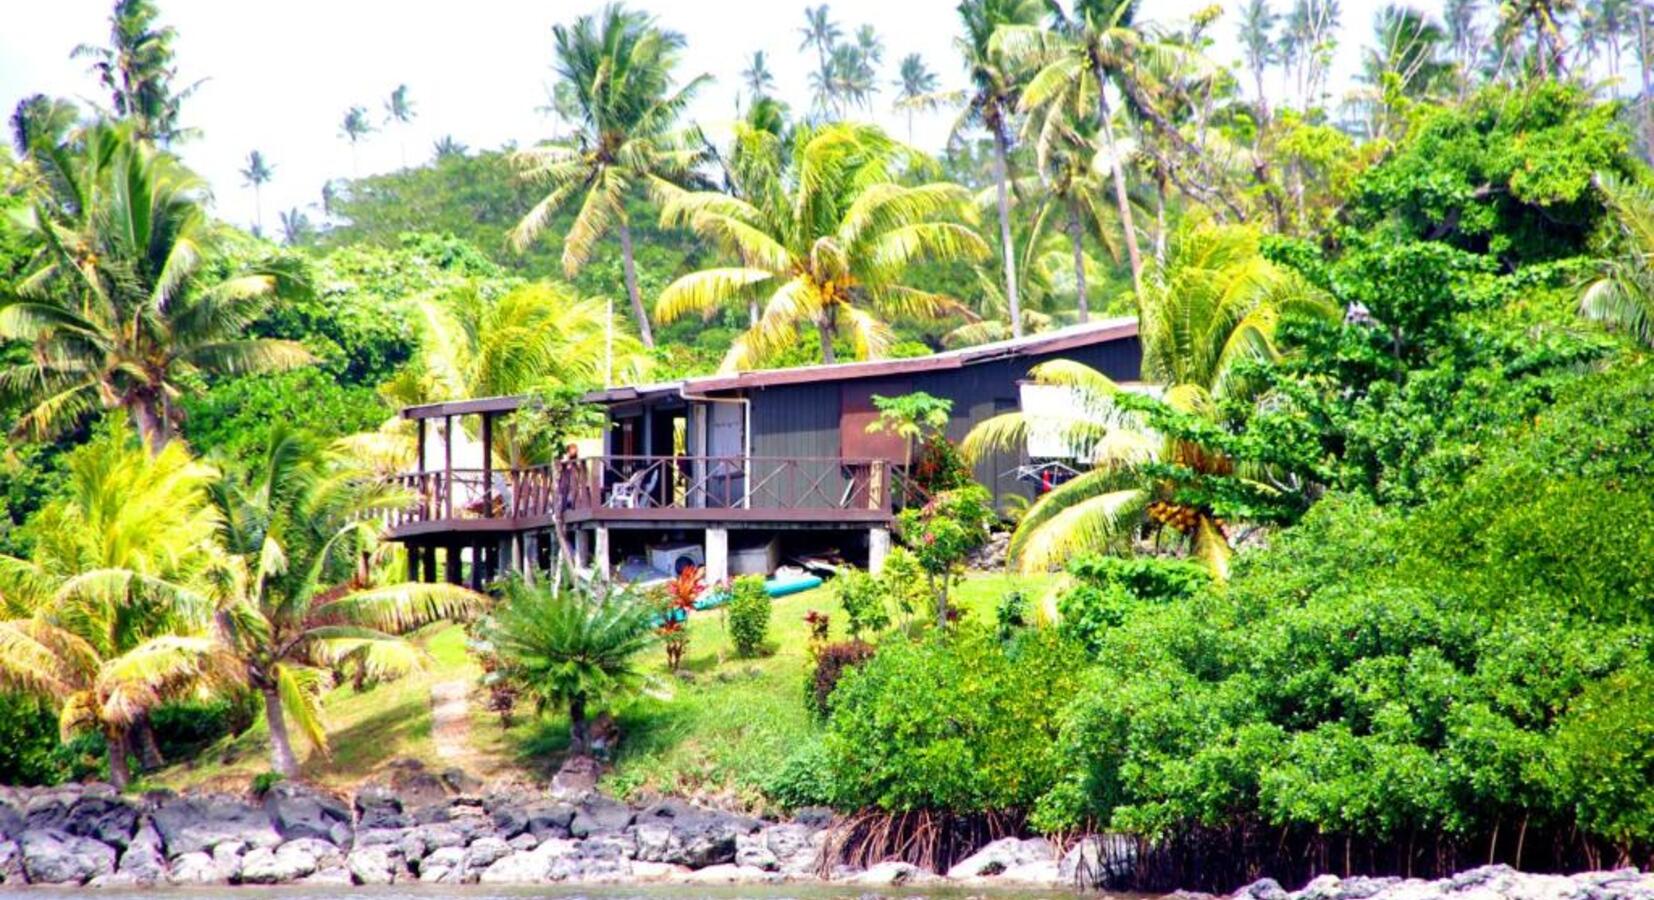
(151, 423)
(144, 745)
(826, 326)
(1076, 236)
(120, 774)
(1001, 175)
(580, 732)
(281, 745)
(638, 312)
(1121, 199)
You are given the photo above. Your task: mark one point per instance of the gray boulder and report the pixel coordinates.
(12, 820)
(378, 807)
(378, 836)
(444, 865)
(552, 820)
(753, 851)
(1262, 889)
(1000, 855)
(195, 869)
(332, 876)
(198, 823)
(227, 857)
(298, 811)
(56, 857)
(891, 874)
(376, 864)
(94, 811)
(421, 841)
(597, 814)
(680, 834)
(484, 852)
(289, 862)
(144, 862)
(553, 860)
(11, 863)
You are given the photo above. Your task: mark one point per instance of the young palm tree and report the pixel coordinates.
(824, 233)
(577, 649)
(130, 316)
(1090, 49)
(39, 123)
(257, 174)
(399, 111)
(295, 597)
(447, 147)
(295, 226)
(915, 84)
(354, 128)
(1623, 295)
(757, 76)
(1213, 305)
(1075, 190)
(820, 33)
(620, 65)
(990, 103)
(1545, 17)
(94, 621)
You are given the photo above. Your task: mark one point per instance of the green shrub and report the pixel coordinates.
(264, 781)
(29, 734)
(804, 779)
(943, 533)
(903, 582)
(956, 722)
(1011, 615)
(862, 596)
(749, 615)
(1110, 588)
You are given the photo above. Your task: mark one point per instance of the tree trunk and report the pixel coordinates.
(752, 313)
(1076, 234)
(638, 312)
(281, 746)
(1160, 220)
(1121, 199)
(119, 774)
(151, 424)
(826, 325)
(1001, 174)
(1646, 43)
(580, 739)
(144, 745)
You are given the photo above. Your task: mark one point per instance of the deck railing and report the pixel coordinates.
(591, 486)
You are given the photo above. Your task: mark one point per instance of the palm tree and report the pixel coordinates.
(990, 103)
(1074, 188)
(354, 128)
(1257, 40)
(1608, 23)
(295, 226)
(1408, 55)
(1308, 41)
(1466, 37)
(39, 123)
(577, 649)
(757, 76)
(1545, 17)
(915, 84)
(1209, 309)
(825, 233)
(819, 32)
(399, 111)
(620, 65)
(256, 175)
(136, 68)
(295, 599)
(1623, 295)
(448, 147)
(1092, 47)
(131, 317)
(95, 622)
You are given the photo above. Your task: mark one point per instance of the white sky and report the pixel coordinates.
(280, 76)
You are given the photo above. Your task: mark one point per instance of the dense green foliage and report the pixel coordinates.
(749, 614)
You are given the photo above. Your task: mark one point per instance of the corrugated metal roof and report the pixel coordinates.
(1101, 331)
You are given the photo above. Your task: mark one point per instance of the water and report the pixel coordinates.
(557, 892)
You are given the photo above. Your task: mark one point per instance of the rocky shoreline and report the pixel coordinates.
(449, 830)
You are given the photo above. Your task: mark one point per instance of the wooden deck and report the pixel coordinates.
(659, 491)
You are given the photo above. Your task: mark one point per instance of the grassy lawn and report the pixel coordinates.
(717, 736)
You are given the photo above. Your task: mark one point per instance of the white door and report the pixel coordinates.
(726, 444)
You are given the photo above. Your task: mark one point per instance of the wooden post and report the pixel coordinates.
(413, 551)
(430, 564)
(451, 565)
(448, 466)
(424, 483)
(487, 466)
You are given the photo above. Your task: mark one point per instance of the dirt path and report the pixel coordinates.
(451, 720)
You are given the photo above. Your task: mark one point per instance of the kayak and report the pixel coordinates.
(775, 587)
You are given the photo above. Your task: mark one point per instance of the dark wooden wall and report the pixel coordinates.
(802, 420)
